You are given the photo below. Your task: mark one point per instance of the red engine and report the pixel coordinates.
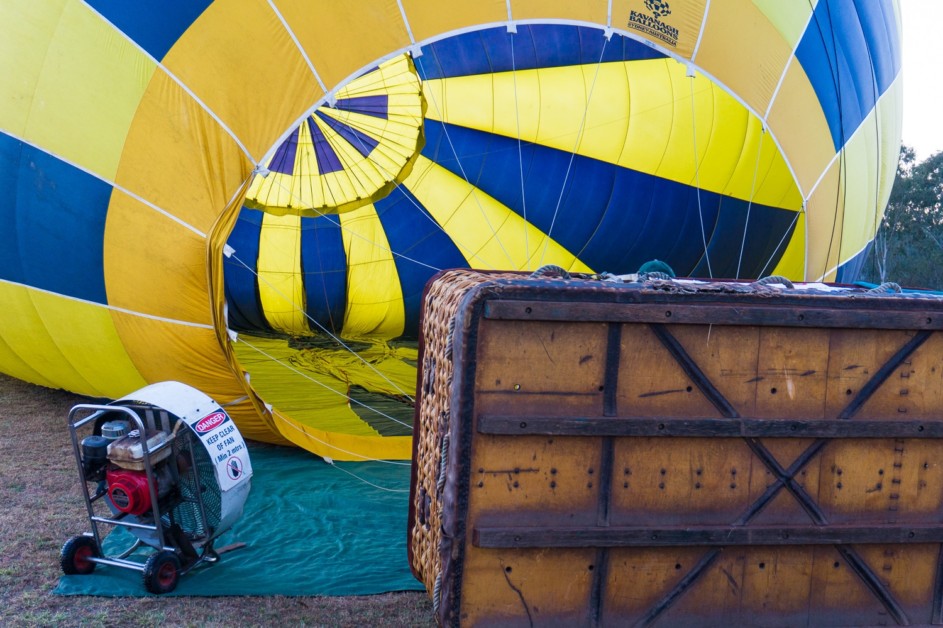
(125, 478)
(128, 490)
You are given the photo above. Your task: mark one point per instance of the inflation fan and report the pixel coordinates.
(168, 464)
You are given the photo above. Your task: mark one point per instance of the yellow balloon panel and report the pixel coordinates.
(306, 187)
(67, 343)
(349, 154)
(771, 181)
(178, 158)
(488, 234)
(78, 83)
(340, 446)
(27, 35)
(189, 353)
(788, 18)
(792, 263)
(373, 292)
(801, 128)
(825, 211)
(255, 421)
(145, 275)
(281, 290)
(21, 366)
(311, 408)
(890, 123)
(593, 11)
(428, 20)
(642, 115)
(674, 26)
(341, 38)
(758, 44)
(869, 175)
(227, 58)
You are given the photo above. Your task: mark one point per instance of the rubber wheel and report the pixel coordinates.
(75, 554)
(161, 572)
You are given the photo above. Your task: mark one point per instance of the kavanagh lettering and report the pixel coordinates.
(654, 27)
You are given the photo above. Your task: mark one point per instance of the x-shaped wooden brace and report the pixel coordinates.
(785, 478)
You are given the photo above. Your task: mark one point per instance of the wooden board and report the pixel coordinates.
(596, 453)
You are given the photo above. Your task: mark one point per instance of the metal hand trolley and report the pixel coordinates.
(152, 472)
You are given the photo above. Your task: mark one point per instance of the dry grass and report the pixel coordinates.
(42, 507)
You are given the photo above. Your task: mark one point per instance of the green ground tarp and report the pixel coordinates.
(310, 529)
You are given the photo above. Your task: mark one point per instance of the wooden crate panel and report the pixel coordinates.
(651, 476)
(528, 587)
(591, 453)
(553, 368)
(551, 479)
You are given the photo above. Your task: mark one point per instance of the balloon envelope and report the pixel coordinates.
(141, 241)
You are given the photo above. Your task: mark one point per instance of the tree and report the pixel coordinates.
(908, 247)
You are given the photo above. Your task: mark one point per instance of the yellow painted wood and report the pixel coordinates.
(677, 483)
(521, 364)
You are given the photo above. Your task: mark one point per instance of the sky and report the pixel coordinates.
(922, 51)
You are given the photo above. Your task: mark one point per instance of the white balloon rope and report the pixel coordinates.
(520, 155)
(323, 385)
(782, 241)
(474, 188)
(366, 481)
(697, 179)
(746, 224)
(576, 145)
(324, 329)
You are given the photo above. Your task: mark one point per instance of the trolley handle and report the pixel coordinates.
(97, 411)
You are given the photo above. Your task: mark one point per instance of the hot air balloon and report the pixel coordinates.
(249, 196)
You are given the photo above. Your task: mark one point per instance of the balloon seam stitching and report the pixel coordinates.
(301, 50)
(108, 182)
(700, 34)
(108, 306)
(175, 79)
(409, 29)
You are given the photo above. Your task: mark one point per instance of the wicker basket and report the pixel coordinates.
(593, 452)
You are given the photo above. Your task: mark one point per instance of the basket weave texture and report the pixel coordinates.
(443, 300)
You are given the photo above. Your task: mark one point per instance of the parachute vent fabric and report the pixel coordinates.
(195, 186)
